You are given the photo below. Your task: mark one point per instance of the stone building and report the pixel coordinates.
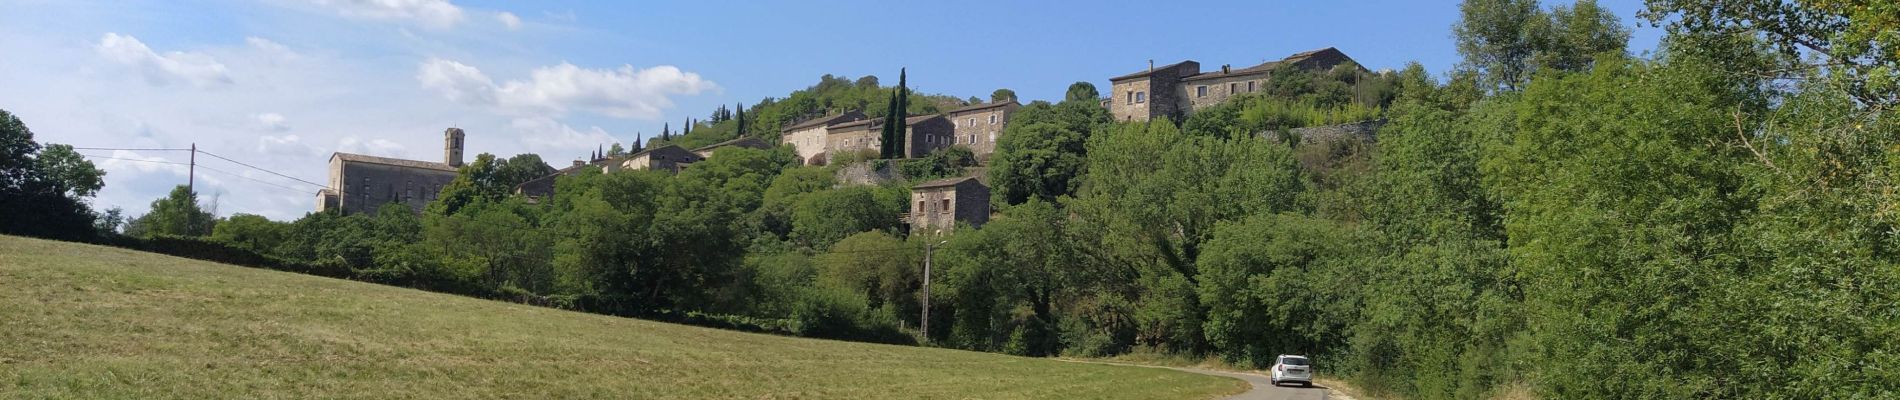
(543, 187)
(1178, 89)
(977, 126)
(809, 137)
(923, 134)
(937, 206)
(746, 142)
(362, 183)
(665, 158)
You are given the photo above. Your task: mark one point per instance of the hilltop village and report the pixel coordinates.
(361, 183)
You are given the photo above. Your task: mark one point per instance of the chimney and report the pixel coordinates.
(578, 163)
(1226, 68)
(1151, 65)
(452, 147)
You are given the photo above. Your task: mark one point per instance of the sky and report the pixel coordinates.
(281, 84)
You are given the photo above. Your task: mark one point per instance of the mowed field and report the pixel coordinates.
(82, 321)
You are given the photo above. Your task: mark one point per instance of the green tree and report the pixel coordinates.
(1002, 95)
(1042, 151)
(1498, 38)
(70, 173)
(822, 218)
(895, 124)
(251, 231)
(882, 268)
(1853, 40)
(1082, 91)
(175, 214)
(44, 191)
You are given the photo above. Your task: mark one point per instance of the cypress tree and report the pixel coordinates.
(898, 123)
(741, 118)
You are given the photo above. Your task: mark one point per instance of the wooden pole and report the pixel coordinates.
(191, 173)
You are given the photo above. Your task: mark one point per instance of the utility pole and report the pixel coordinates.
(191, 173)
(925, 325)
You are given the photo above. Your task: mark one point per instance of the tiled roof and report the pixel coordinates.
(347, 157)
(825, 120)
(942, 183)
(752, 141)
(1149, 71)
(877, 122)
(974, 107)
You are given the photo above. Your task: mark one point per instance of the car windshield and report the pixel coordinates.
(1293, 361)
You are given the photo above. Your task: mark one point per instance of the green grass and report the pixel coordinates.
(81, 321)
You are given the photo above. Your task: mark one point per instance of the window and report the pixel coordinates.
(920, 206)
(946, 207)
(1131, 97)
(1249, 86)
(992, 137)
(972, 122)
(1200, 91)
(1141, 97)
(992, 119)
(1230, 88)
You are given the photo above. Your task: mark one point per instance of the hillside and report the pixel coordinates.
(85, 321)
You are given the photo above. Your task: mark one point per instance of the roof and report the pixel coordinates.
(825, 120)
(360, 158)
(1266, 67)
(876, 122)
(943, 183)
(654, 149)
(974, 107)
(1149, 71)
(759, 144)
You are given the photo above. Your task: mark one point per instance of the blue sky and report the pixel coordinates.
(283, 83)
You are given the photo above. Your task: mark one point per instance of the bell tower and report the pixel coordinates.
(452, 147)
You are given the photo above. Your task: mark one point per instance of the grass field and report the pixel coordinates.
(81, 321)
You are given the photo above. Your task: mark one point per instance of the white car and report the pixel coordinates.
(1292, 369)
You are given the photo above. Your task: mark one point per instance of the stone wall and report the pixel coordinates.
(364, 187)
(1218, 90)
(808, 142)
(862, 174)
(1121, 103)
(979, 129)
(927, 135)
(940, 208)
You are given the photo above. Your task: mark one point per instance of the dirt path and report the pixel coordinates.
(1263, 388)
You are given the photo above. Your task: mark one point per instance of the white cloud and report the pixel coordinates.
(624, 92)
(554, 140)
(374, 147)
(127, 162)
(509, 20)
(439, 14)
(286, 145)
(272, 122)
(162, 69)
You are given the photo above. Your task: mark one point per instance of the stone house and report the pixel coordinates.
(1178, 89)
(362, 183)
(665, 158)
(809, 137)
(937, 206)
(745, 141)
(977, 126)
(543, 187)
(923, 134)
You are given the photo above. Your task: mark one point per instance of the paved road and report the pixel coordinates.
(1263, 388)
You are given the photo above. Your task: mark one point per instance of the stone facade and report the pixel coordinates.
(978, 126)
(1150, 94)
(1175, 90)
(361, 184)
(664, 158)
(923, 134)
(809, 138)
(937, 206)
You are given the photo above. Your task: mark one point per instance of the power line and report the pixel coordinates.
(256, 180)
(261, 169)
(112, 148)
(132, 160)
